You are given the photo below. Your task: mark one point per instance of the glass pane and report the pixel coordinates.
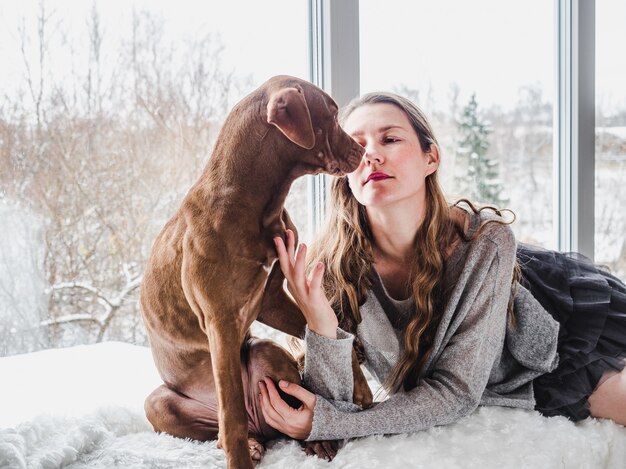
(610, 195)
(482, 72)
(102, 135)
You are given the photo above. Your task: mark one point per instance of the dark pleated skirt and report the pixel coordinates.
(590, 306)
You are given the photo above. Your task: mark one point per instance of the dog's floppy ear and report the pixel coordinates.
(287, 110)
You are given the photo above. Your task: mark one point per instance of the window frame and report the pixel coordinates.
(334, 66)
(574, 126)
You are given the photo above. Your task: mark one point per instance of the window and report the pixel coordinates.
(610, 141)
(109, 111)
(108, 114)
(483, 72)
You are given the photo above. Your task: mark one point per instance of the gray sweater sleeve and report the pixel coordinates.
(328, 365)
(459, 370)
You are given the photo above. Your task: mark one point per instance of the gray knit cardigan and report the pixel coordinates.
(478, 358)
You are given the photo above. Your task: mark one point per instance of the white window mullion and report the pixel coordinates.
(334, 67)
(574, 135)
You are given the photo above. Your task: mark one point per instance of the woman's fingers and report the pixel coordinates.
(293, 265)
(297, 391)
(299, 269)
(277, 402)
(316, 277)
(295, 423)
(270, 414)
(291, 245)
(283, 256)
(287, 256)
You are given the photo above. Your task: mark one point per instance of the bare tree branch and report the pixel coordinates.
(90, 288)
(70, 318)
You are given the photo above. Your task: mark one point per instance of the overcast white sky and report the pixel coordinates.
(490, 47)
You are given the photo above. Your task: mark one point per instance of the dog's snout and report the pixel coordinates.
(359, 150)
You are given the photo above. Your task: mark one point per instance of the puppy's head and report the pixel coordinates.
(307, 117)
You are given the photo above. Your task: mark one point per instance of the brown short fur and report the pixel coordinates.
(214, 270)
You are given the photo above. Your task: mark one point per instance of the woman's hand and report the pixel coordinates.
(296, 423)
(307, 292)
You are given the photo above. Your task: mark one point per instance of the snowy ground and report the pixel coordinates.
(81, 407)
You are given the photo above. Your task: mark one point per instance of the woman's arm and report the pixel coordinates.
(328, 365)
(328, 357)
(457, 380)
(460, 373)
(306, 291)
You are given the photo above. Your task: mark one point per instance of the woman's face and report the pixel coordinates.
(394, 167)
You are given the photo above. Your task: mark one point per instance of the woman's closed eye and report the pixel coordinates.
(390, 140)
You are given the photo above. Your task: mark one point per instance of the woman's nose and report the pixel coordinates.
(372, 155)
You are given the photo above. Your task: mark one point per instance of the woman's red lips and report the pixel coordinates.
(377, 176)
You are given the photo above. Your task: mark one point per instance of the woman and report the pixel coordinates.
(432, 296)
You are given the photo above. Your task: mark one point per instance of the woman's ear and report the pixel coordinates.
(433, 159)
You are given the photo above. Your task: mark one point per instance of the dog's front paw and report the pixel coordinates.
(322, 449)
(257, 450)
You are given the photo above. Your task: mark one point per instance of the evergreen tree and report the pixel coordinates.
(481, 182)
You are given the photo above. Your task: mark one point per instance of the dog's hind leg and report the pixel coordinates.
(178, 415)
(264, 357)
(184, 417)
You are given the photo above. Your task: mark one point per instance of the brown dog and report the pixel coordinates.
(213, 268)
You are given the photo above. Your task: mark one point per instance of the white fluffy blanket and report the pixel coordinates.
(82, 408)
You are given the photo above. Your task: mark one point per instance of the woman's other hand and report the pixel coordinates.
(307, 292)
(296, 423)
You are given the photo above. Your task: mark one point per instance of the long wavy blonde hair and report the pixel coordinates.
(345, 247)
